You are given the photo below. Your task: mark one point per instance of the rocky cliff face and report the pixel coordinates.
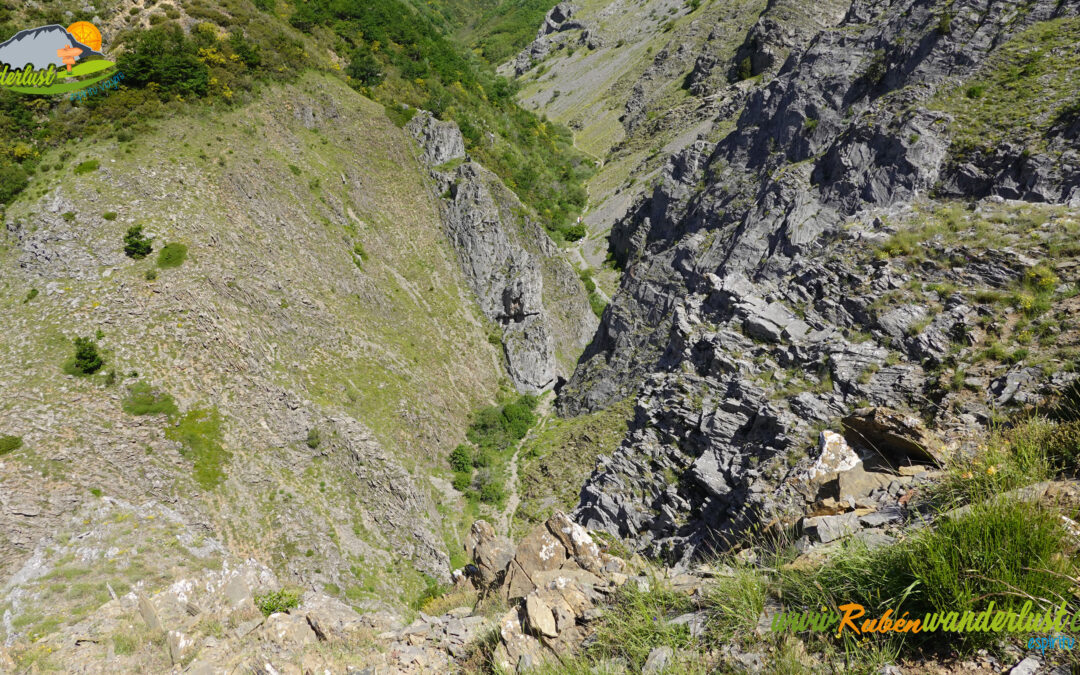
(765, 288)
(533, 296)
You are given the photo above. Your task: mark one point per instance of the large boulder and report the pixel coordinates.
(901, 437)
(490, 552)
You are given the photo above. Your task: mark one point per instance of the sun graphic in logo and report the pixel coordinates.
(86, 33)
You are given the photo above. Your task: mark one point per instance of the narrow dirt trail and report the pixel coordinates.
(513, 499)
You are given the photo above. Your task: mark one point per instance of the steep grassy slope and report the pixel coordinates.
(321, 347)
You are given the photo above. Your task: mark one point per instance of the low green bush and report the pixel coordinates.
(461, 458)
(142, 399)
(199, 432)
(10, 443)
(574, 232)
(281, 600)
(88, 166)
(13, 180)
(172, 255)
(462, 480)
(314, 438)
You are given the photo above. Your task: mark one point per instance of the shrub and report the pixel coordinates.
(598, 304)
(164, 56)
(86, 361)
(461, 458)
(496, 428)
(364, 68)
(281, 600)
(88, 166)
(314, 438)
(109, 215)
(136, 245)
(574, 232)
(462, 480)
(13, 180)
(398, 114)
(432, 589)
(143, 400)
(746, 69)
(975, 91)
(876, 68)
(172, 255)
(944, 24)
(30, 295)
(491, 487)
(10, 444)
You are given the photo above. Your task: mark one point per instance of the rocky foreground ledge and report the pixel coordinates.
(532, 602)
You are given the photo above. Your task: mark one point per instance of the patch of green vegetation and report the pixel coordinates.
(124, 644)
(1033, 450)
(89, 166)
(596, 301)
(30, 295)
(496, 428)
(1023, 89)
(314, 438)
(109, 215)
(142, 399)
(136, 245)
(281, 600)
(494, 432)
(172, 255)
(419, 66)
(199, 431)
(746, 69)
(1003, 551)
(637, 623)
(86, 360)
(10, 443)
(13, 180)
(497, 30)
(557, 460)
(432, 589)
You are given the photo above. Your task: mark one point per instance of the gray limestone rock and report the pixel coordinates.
(520, 280)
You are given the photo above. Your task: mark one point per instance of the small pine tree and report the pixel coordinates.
(136, 245)
(87, 361)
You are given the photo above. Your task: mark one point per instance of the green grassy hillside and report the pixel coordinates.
(289, 382)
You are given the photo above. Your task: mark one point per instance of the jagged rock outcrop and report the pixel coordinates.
(752, 306)
(521, 282)
(553, 582)
(558, 20)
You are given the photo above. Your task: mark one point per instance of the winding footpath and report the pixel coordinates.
(506, 516)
